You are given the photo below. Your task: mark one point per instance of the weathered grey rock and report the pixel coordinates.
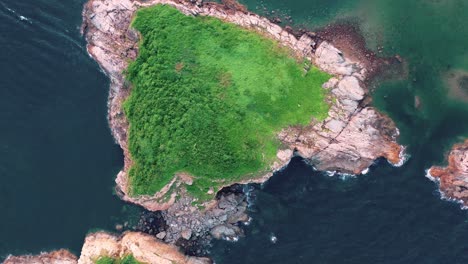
(186, 234)
(161, 235)
(239, 216)
(224, 231)
(332, 60)
(349, 88)
(199, 222)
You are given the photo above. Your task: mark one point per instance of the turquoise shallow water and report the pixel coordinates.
(58, 160)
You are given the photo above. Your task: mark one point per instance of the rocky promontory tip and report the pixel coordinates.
(453, 179)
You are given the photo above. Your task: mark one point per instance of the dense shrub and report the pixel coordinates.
(209, 98)
(126, 260)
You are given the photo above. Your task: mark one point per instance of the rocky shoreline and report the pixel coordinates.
(453, 179)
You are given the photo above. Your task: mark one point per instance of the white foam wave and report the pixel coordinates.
(442, 194)
(273, 238)
(20, 17)
(23, 18)
(232, 239)
(341, 175)
(403, 158)
(430, 177)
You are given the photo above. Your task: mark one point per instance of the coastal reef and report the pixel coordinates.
(453, 179)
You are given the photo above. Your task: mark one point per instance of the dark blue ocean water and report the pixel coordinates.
(58, 159)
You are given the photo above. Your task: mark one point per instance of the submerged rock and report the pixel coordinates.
(453, 179)
(227, 232)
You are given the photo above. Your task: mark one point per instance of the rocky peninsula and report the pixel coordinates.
(453, 179)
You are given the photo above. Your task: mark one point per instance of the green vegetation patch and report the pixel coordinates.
(209, 98)
(126, 260)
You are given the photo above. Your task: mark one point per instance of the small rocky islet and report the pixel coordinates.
(453, 179)
(348, 141)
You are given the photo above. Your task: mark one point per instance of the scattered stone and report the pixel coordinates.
(186, 234)
(161, 235)
(224, 231)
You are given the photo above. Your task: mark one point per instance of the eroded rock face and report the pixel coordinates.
(54, 257)
(145, 248)
(353, 135)
(453, 179)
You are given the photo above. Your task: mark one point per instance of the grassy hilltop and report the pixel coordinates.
(209, 98)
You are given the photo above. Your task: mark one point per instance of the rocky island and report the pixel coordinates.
(347, 138)
(453, 179)
(320, 111)
(350, 137)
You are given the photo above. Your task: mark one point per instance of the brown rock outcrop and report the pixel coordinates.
(143, 247)
(348, 141)
(453, 179)
(61, 256)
